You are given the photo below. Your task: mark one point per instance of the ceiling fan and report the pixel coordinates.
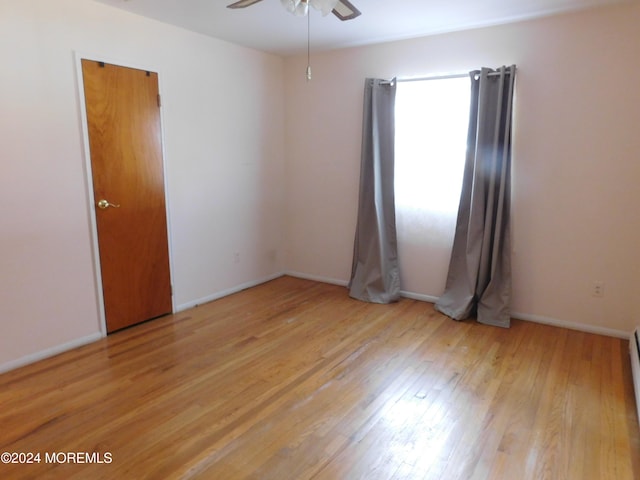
(343, 9)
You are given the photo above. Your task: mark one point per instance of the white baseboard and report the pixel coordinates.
(344, 283)
(228, 291)
(50, 352)
(582, 327)
(419, 296)
(317, 278)
(79, 342)
(609, 332)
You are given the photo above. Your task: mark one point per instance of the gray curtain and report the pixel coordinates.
(374, 273)
(479, 278)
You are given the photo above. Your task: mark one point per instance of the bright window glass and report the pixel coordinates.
(431, 134)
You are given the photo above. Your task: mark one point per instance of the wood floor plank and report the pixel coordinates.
(295, 380)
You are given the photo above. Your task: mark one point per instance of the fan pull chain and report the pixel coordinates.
(308, 46)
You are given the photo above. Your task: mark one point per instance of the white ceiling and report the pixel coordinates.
(267, 26)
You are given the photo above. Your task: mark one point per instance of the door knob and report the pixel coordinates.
(105, 204)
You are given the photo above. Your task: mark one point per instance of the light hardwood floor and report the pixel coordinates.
(294, 380)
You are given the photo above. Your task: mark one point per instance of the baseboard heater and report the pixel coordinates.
(634, 350)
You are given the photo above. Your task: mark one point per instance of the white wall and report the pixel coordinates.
(576, 159)
(223, 124)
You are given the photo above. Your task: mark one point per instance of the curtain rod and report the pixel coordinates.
(440, 77)
(421, 79)
(432, 77)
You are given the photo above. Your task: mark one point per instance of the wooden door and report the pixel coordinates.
(123, 119)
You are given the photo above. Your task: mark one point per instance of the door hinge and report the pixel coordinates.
(159, 101)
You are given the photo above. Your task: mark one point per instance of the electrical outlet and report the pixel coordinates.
(597, 289)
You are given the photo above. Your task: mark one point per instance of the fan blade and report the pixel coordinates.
(345, 10)
(243, 3)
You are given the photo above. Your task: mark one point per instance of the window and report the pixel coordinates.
(431, 134)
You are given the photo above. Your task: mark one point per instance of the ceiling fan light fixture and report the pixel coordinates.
(297, 7)
(290, 5)
(302, 8)
(325, 6)
(343, 9)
